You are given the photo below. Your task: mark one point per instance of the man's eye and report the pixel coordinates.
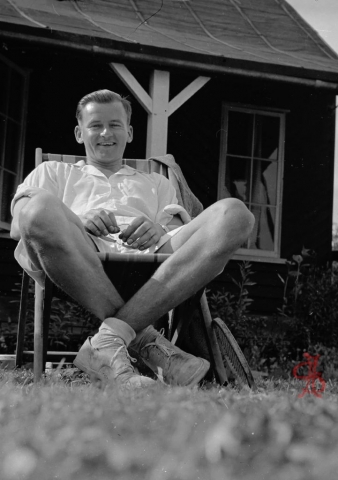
(95, 125)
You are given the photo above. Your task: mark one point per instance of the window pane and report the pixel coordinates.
(240, 133)
(264, 182)
(12, 149)
(266, 137)
(16, 96)
(263, 234)
(237, 177)
(4, 69)
(7, 192)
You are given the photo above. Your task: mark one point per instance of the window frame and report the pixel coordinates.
(246, 253)
(18, 172)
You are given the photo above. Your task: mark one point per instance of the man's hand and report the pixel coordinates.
(142, 233)
(99, 222)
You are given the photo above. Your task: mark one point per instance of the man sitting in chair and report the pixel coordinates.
(64, 214)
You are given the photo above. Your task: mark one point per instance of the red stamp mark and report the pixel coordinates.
(310, 386)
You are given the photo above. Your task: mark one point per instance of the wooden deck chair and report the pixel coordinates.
(216, 341)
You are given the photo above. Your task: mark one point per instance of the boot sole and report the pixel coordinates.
(100, 380)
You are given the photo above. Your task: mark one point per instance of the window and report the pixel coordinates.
(251, 163)
(13, 106)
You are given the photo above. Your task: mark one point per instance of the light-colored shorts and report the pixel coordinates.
(110, 244)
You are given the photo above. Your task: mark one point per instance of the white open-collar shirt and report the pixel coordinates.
(127, 193)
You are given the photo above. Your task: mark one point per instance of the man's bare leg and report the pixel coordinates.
(62, 248)
(57, 242)
(201, 250)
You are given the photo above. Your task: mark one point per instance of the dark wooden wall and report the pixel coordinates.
(194, 139)
(60, 79)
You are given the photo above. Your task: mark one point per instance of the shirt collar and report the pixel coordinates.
(124, 170)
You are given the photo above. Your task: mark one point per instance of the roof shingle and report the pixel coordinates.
(262, 31)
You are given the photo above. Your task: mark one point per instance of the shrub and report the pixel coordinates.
(312, 302)
(307, 320)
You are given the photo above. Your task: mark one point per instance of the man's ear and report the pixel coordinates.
(130, 135)
(78, 134)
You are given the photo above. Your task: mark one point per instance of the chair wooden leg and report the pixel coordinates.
(46, 316)
(22, 320)
(214, 351)
(43, 298)
(38, 332)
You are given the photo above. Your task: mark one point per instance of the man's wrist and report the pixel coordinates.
(164, 228)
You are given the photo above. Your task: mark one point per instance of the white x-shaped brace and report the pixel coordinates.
(157, 103)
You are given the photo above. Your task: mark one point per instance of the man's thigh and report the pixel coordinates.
(183, 235)
(225, 214)
(58, 223)
(201, 225)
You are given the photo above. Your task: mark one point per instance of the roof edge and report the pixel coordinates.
(151, 56)
(310, 30)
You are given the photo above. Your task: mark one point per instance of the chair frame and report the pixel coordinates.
(180, 316)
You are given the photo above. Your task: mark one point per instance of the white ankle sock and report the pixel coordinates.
(111, 328)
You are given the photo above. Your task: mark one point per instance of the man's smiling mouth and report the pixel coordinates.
(107, 144)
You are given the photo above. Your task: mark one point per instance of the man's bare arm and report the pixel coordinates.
(15, 231)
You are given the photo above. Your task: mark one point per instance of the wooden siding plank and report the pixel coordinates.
(186, 93)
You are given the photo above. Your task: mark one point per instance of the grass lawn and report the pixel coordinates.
(67, 429)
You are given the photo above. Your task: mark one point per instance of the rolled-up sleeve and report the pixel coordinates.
(42, 178)
(166, 196)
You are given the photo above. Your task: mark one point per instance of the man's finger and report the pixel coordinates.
(109, 221)
(133, 226)
(95, 229)
(113, 226)
(144, 231)
(152, 240)
(141, 238)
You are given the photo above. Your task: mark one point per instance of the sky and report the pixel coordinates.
(322, 15)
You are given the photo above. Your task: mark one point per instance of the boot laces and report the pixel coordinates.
(166, 350)
(126, 360)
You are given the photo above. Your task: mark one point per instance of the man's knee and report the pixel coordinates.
(40, 217)
(235, 211)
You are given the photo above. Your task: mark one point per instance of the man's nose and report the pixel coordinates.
(105, 131)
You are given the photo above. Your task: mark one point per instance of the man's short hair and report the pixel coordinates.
(103, 96)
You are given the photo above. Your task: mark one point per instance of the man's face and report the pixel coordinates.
(105, 132)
